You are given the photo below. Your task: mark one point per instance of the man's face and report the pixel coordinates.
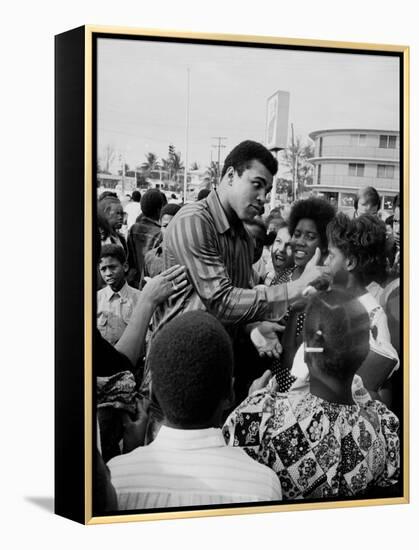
(396, 225)
(281, 249)
(336, 262)
(112, 272)
(247, 195)
(115, 215)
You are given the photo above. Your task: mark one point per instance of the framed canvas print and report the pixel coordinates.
(231, 274)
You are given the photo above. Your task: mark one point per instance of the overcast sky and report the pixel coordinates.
(142, 95)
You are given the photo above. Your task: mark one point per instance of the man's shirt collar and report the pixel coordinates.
(122, 292)
(189, 439)
(219, 215)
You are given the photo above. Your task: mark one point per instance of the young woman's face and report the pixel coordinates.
(336, 262)
(304, 241)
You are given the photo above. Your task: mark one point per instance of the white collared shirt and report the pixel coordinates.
(190, 468)
(133, 210)
(114, 310)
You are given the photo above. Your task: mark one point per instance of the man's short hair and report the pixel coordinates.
(113, 251)
(151, 203)
(106, 194)
(170, 209)
(136, 196)
(191, 363)
(241, 157)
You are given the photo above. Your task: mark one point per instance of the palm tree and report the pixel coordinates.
(211, 177)
(176, 165)
(166, 168)
(297, 158)
(152, 163)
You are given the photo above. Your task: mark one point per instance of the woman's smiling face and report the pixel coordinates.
(304, 241)
(279, 248)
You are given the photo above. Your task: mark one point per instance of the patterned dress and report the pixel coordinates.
(282, 375)
(318, 449)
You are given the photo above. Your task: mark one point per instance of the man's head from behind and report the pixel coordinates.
(152, 203)
(136, 196)
(247, 178)
(191, 362)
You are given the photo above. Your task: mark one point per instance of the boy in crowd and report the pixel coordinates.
(153, 261)
(189, 464)
(116, 301)
(144, 234)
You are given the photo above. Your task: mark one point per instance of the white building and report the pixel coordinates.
(347, 160)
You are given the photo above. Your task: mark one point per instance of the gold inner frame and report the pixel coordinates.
(90, 30)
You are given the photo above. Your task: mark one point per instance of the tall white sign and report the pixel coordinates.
(277, 114)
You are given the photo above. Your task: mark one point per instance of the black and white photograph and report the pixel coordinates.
(248, 274)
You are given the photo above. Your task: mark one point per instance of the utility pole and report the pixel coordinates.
(294, 168)
(219, 147)
(185, 180)
(275, 151)
(122, 157)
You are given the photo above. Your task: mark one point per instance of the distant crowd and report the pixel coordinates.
(245, 357)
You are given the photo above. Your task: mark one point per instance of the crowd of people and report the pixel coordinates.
(244, 357)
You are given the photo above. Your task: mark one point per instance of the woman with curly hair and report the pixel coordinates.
(357, 257)
(307, 225)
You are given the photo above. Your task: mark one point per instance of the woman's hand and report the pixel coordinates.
(158, 289)
(265, 339)
(261, 382)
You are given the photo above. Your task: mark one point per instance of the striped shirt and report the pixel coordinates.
(218, 256)
(190, 468)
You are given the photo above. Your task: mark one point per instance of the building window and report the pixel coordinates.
(387, 142)
(358, 139)
(356, 170)
(319, 173)
(385, 171)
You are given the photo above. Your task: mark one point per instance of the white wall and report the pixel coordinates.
(27, 276)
